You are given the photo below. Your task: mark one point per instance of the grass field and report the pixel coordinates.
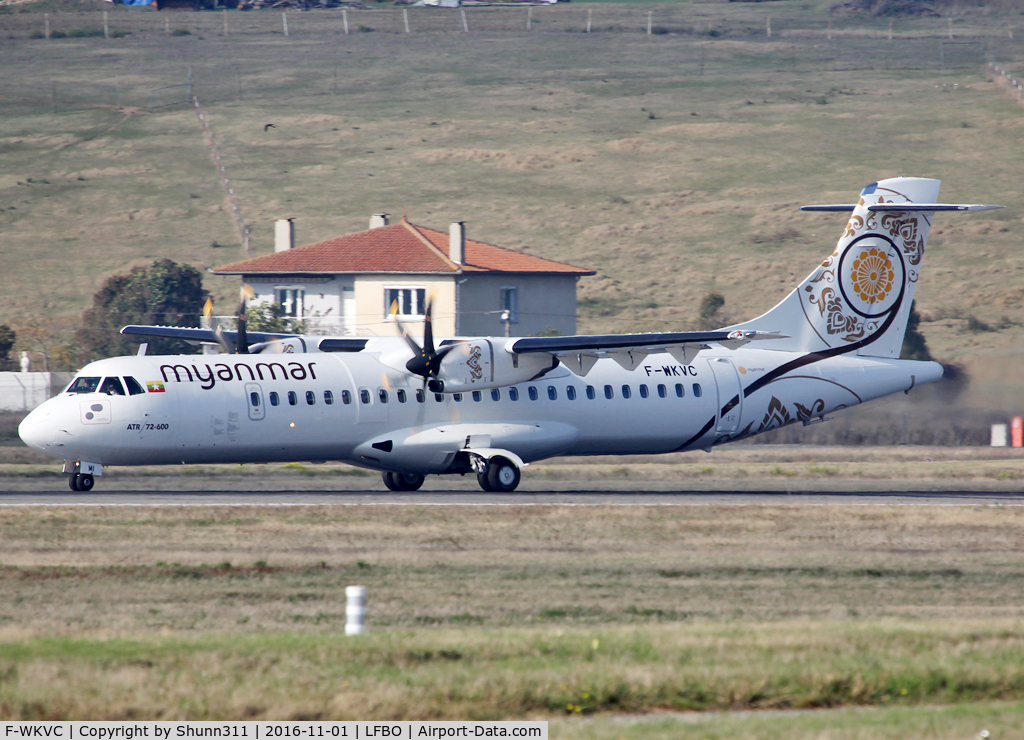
(501, 612)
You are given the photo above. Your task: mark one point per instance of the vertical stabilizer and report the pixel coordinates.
(858, 299)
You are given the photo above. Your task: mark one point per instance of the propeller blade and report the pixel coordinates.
(242, 347)
(208, 309)
(428, 325)
(416, 349)
(224, 341)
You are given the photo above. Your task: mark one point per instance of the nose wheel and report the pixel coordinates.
(81, 482)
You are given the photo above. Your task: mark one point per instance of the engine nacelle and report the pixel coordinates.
(476, 364)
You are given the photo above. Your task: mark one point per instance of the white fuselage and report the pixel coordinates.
(265, 408)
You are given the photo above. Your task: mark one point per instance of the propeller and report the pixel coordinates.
(427, 360)
(241, 345)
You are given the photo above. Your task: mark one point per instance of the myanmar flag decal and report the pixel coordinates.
(155, 386)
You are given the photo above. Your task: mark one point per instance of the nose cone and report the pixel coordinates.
(37, 429)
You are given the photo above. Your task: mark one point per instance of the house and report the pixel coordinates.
(347, 285)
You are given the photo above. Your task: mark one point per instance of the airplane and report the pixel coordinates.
(489, 406)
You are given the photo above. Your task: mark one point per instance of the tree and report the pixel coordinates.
(267, 317)
(165, 293)
(709, 307)
(914, 345)
(7, 337)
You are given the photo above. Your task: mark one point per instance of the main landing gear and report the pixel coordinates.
(500, 476)
(81, 482)
(403, 481)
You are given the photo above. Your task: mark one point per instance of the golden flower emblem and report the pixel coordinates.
(872, 275)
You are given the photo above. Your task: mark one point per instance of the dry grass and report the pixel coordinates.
(252, 569)
(237, 612)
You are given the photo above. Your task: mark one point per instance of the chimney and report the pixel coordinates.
(284, 234)
(457, 242)
(378, 219)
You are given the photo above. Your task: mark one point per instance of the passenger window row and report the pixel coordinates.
(626, 391)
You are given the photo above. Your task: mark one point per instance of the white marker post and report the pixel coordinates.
(998, 438)
(405, 16)
(106, 26)
(465, 24)
(344, 17)
(590, 17)
(284, 22)
(650, 15)
(355, 610)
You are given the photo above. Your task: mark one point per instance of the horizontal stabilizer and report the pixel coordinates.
(917, 207)
(905, 207)
(836, 207)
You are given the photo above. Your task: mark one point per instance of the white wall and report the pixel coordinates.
(545, 302)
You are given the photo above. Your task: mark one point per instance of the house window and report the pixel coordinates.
(509, 301)
(411, 301)
(290, 300)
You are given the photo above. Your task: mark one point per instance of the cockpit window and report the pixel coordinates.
(112, 387)
(84, 384)
(134, 389)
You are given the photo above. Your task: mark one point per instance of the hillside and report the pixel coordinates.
(671, 163)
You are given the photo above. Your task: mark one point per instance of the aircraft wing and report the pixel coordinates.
(579, 353)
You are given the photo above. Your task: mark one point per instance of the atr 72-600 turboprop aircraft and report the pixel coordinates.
(490, 406)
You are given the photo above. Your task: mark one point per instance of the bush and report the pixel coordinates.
(181, 32)
(82, 33)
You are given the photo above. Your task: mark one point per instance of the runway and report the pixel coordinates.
(532, 498)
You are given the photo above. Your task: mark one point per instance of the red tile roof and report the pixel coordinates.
(400, 248)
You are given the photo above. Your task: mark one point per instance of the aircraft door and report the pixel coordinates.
(254, 398)
(729, 394)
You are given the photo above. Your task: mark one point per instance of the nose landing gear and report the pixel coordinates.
(82, 475)
(81, 482)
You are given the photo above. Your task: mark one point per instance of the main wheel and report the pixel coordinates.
(503, 475)
(408, 481)
(73, 482)
(85, 482)
(485, 484)
(390, 482)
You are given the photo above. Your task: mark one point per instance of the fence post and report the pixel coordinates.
(106, 27)
(650, 14)
(225, 21)
(529, 17)
(465, 24)
(768, 26)
(344, 17)
(284, 22)
(46, 21)
(590, 17)
(167, 22)
(405, 16)
(890, 29)
(950, 28)
(829, 32)
(355, 610)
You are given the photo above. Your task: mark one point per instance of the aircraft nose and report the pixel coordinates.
(37, 429)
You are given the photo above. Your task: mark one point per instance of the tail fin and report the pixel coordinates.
(859, 298)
